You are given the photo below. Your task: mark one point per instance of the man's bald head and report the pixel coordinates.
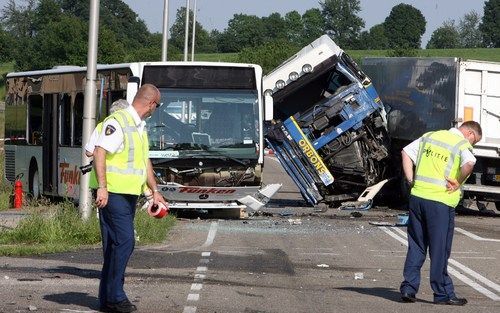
(146, 100)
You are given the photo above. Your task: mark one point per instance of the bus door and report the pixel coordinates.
(50, 144)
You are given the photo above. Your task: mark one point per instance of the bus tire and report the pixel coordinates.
(34, 181)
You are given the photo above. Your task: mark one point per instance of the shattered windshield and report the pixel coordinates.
(219, 120)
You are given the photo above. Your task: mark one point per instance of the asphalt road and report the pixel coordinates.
(292, 259)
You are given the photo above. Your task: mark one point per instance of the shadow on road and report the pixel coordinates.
(386, 293)
(75, 271)
(74, 298)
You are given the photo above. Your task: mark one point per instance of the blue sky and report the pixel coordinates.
(214, 14)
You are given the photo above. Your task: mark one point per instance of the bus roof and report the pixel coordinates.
(64, 69)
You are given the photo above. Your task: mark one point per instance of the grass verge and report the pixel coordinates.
(59, 228)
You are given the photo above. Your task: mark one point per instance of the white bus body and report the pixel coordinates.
(206, 139)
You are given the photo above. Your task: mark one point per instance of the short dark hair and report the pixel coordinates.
(473, 125)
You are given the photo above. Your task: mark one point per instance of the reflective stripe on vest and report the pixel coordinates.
(431, 172)
(126, 170)
(128, 131)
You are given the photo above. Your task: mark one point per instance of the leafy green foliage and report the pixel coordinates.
(490, 25)
(243, 31)
(468, 28)
(314, 25)
(342, 22)
(269, 55)
(204, 42)
(404, 28)
(445, 37)
(374, 39)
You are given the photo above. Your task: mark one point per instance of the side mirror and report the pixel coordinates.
(132, 87)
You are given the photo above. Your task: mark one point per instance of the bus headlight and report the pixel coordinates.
(307, 68)
(268, 93)
(280, 84)
(293, 76)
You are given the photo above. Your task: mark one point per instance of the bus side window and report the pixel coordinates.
(65, 120)
(78, 120)
(35, 113)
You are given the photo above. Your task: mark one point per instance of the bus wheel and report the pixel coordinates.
(34, 183)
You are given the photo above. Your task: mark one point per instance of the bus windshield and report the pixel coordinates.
(194, 121)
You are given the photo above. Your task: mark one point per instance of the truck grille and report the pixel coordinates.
(10, 166)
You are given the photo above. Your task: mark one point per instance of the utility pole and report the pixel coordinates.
(164, 44)
(89, 105)
(194, 31)
(186, 32)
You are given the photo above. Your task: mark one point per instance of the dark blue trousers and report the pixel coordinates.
(117, 230)
(430, 226)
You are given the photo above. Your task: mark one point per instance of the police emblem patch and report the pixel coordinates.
(109, 130)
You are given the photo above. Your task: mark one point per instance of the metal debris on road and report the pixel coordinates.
(323, 265)
(358, 276)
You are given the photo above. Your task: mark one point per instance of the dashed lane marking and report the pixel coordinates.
(474, 236)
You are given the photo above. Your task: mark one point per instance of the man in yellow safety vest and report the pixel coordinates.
(122, 168)
(443, 160)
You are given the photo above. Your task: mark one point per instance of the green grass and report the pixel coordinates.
(59, 228)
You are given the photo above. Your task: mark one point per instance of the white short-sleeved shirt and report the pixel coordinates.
(465, 156)
(90, 146)
(111, 136)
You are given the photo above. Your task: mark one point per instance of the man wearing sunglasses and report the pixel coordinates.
(443, 160)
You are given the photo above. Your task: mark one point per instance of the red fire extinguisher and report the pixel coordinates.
(18, 192)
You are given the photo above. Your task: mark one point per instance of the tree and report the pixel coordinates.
(275, 27)
(314, 25)
(445, 37)
(490, 25)
(269, 55)
(375, 39)
(469, 33)
(294, 28)
(7, 46)
(203, 43)
(404, 27)
(342, 21)
(243, 31)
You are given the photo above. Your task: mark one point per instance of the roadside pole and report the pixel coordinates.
(164, 44)
(186, 32)
(89, 105)
(194, 31)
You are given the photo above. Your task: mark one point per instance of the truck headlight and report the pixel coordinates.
(307, 68)
(280, 84)
(293, 76)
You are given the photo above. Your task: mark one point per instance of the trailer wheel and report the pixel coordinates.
(34, 182)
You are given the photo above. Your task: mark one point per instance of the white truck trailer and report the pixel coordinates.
(424, 94)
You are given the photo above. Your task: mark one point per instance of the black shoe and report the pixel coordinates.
(124, 306)
(408, 297)
(453, 301)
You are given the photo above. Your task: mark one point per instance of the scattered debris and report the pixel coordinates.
(323, 265)
(296, 221)
(286, 213)
(356, 214)
(358, 276)
(32, 308)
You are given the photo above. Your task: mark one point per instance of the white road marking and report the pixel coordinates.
(476, 257)
(474, 236)
(457, 274)
(196, 286)
(199, 276)
(201, 269)
(193, 297)
(205, 254)
(211, 235)
(204, 261)
(189, 309)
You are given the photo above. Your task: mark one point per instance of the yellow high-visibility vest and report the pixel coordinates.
(438, 158)
(126, 171)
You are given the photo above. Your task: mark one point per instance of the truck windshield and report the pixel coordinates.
(191, 120)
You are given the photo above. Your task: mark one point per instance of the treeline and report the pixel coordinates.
(43, 33)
